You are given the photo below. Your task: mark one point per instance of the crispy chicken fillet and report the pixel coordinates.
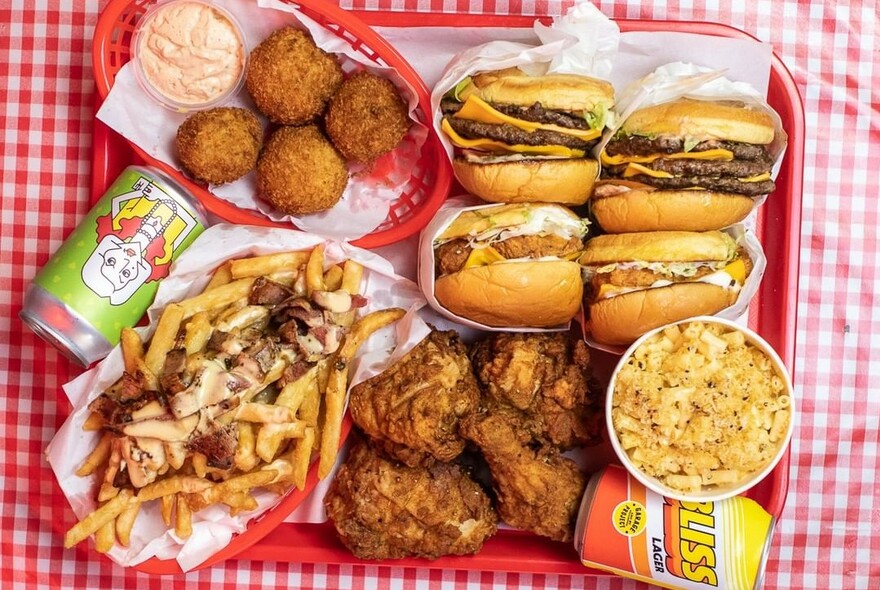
(547, 378)
(538, 490)
(412, 410)
(384, 510)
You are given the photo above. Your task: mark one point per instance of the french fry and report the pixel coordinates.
(94, 422)
(107, 491)
(333, 278)
(98, 518)
(351, 283)
(334, 396)
(200, 464)
(197, 333)
(166, 507)
(183, 520)
(264, 413)
(218, 297)
(245, 455)
(294, 392)
(315, 271)
(352, 274)
(175, 453)
(99, 456)
(132, 349)
(310, 407)
(125, 522)
(176, 484)
(221, 276)
(266, 265)
(302, 457)
(105, 537)
(270, 436)
(151, 381)
(240, 502)
(164, 337)
(240, 483)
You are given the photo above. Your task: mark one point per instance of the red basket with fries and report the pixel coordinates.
(421, 195)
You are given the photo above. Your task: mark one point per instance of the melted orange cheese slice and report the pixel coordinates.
(716, 154)
(490, 145)
(477, 109)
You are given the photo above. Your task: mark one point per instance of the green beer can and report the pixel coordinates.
(105, 275)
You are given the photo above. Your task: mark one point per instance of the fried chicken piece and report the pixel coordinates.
(538, 489)
(219, 145)
(300, 172)
(290, 78)
(412, 410)
(366, 118)
(384, 510)
(548, 379)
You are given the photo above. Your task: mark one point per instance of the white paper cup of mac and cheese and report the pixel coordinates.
(700, 410)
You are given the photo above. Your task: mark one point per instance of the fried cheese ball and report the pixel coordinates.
(300, 172)
(219, 145)
(290, 79)
(384, 510)
(366, 117)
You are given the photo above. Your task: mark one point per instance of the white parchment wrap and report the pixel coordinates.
(747, 239)
(583, 41)
(213, 527)
(129, 111)
(444, 217)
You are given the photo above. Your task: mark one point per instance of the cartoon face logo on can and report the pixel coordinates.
(106, 273)
(137, 240)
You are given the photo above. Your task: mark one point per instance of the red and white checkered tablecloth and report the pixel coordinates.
(829, 534)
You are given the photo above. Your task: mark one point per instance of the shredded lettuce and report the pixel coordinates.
(597, 118)
(455, 93)
(690, 143)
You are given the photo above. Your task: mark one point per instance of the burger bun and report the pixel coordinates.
(533, 293)
(566, 92)
(644, 210)
(703, 119)
(622, 319)
(563, 181)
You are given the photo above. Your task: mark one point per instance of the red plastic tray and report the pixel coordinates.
(772, 313)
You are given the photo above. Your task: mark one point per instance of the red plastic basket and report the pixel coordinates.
(431, 177)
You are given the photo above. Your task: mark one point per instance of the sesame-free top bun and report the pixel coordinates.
(473, 222)
(620, 320)
(702, 120)
(667, 246)
(643, 208)
(566, 181)
(536, 294)
(564, 92)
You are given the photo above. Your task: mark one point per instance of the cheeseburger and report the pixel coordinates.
(684, 165)
(639, 281)
(526, 138)
(511, 265)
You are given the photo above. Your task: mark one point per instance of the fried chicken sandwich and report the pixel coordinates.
(511, 265)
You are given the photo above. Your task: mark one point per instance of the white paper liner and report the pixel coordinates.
(213, 527)
(747, 239)
(129, 111)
